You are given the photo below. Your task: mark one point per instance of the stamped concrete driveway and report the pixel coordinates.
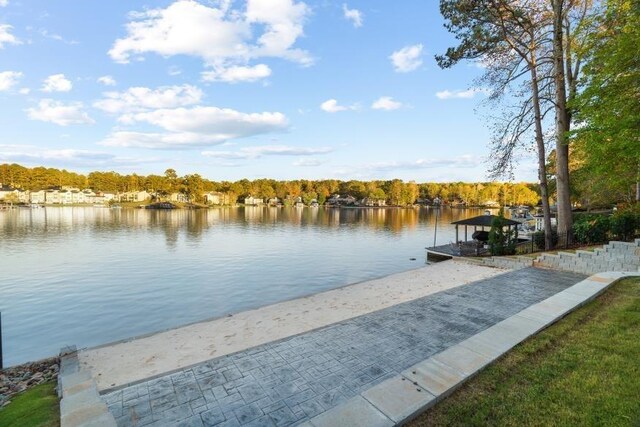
(289, 381)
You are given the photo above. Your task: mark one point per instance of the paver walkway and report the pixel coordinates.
(290, 381)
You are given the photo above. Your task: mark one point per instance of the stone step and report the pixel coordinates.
(78, 381)
(623, 247)
(567, 255)
(88, 415)
(618, 244)
(86, 397)
(80, 403)
(585, 254)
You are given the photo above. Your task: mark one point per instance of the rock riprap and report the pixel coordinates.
(17, 379)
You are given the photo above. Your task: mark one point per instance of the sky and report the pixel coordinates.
(281, 89)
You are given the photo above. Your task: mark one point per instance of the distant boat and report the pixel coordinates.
(161, 205)
(116, 207)
(519, 213)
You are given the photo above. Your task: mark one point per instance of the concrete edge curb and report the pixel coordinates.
(80, 403)
(401, 398)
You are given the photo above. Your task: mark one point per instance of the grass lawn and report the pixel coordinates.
(582, 371)
(37, 407)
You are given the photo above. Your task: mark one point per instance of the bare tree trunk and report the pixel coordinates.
(638, 185)
(542, 168)
(565, 219)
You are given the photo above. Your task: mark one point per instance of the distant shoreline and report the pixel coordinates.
(239, 205)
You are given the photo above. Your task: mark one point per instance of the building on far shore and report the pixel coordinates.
(179, 197)
(337, 200)
(274, 201)
(491, 204)
(9, 193)
(371, 202)
(253, 201)
(134, 196)
(216, 198)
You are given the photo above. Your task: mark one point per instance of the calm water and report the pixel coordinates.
(88, 276)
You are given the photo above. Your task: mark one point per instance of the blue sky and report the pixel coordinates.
(282, 89)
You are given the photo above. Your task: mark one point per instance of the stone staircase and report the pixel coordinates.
(615, 256)
(80, 404)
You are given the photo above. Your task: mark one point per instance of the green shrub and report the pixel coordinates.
(624, 224)
(501, 242)
(591, 229)
(538, 238)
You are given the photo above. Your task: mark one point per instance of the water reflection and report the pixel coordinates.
(18, 224)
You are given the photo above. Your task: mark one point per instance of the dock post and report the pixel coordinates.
(1, 365)
(435, 232)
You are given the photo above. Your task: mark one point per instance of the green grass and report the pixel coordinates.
(37, 407)
(582, 371)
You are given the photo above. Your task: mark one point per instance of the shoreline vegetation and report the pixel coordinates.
(20, 185)
(193, 188)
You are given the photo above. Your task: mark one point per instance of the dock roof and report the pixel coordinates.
(484, 221)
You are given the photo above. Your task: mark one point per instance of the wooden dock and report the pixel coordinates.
(463, 249)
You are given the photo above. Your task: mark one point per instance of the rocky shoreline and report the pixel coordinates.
(17, 379)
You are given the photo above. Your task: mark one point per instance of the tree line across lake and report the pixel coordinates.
(394, 192)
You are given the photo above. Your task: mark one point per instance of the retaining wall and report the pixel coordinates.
(615, 256)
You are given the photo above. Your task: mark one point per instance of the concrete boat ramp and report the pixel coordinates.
(376, 368)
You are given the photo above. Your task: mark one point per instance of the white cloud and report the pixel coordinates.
(59, 113)
(210, 120)
(107, 80)
(308, 162)
(464, 161)
(331, 106)
(6, 37)
(283, 21)
(353, 15)
(386, 103)
(409, 58)
(237, 74)
(159, 140)
(4, 3)
(174, 70)
(222, 37)
(65, 157)
(56, 83)
(137, 99)
(266, 150)
(463, 94)
(57, 37)
(25, 91)
(8, 79)
(195, 127)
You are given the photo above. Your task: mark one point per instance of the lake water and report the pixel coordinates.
(89, 276)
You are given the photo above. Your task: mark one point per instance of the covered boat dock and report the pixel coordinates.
(466, 247)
